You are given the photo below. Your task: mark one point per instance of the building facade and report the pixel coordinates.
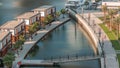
(45, 11)
(5, 42)
(29, 18)
(17, 28)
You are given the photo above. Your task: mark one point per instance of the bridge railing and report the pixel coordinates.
(71, 58)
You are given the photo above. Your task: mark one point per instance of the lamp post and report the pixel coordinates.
(40, 20)
(89, 15)
(82, 12)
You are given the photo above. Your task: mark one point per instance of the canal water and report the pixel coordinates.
(64, 41)
(67, 40)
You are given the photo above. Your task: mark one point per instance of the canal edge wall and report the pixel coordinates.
(87, 29)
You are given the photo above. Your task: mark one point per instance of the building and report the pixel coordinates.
(74, 3)
(45, 11)
(112, 5)
(5, 42)
(29, 18)
(15, 27)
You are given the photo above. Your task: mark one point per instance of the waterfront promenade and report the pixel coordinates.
(110, 58)
(29, 44)
(90, 23)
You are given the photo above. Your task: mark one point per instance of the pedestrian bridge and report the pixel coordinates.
(52, 61)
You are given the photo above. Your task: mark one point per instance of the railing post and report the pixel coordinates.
(89, 15)
(51, 58)
(68, 57)
(76, 56)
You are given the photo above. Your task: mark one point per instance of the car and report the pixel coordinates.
(94, 4)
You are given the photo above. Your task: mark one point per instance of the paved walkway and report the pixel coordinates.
(110, 58)
(29, 44)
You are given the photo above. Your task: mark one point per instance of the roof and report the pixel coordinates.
(27, 15)
(3, 34)
(11, 24)
(42, 8)
(73, 0)
(114, 4)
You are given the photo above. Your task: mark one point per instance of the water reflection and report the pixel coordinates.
(33, 51)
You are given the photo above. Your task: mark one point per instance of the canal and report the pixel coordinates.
(64, 41)
(67, 40)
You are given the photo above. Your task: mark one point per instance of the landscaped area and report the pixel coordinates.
(111, 36)
(111, 27)
(111, 21)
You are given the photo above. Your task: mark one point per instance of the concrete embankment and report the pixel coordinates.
(87, 29)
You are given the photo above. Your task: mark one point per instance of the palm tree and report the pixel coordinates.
(8, 59)
(31, 30)
(50, 18)
(104, 9)
(22, 38)
(18, 45)
(36, 25)
(63, 12)
(46, 20)
(58, 15)
(117, 21)
(111, 12)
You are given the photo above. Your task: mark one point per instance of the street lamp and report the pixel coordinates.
(89, 15)
(82, 12)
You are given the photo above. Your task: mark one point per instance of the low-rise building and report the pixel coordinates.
(45, 11)
(5, 42)
(15, 27)
(74, 3)
(29, 18)
(112, 5)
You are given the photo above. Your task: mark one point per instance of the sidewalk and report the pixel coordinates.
(29, 44)
(110, 57)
